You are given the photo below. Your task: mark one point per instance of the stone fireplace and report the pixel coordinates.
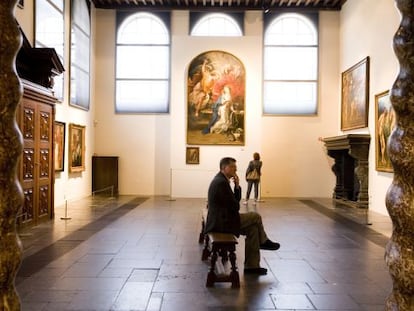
(350, 153)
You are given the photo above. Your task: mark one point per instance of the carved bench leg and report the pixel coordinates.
(223, 254)
(234, 274)
(206, 251)
(211, 277)
(201, 236)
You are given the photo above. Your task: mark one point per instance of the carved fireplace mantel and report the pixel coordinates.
(351, 168)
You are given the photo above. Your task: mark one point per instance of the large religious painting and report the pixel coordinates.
(216, 100)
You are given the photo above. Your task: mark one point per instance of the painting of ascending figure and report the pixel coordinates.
(215, 100)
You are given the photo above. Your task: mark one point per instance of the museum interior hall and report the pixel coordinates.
(115, 115)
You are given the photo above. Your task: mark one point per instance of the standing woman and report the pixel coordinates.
(253, 174)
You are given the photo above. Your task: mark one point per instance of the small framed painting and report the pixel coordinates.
(59, 152)
(76, 148)
(192, 155)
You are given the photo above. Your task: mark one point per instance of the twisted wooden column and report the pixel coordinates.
(399, 254)
(10, 149)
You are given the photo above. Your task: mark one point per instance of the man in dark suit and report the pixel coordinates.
(223, 216)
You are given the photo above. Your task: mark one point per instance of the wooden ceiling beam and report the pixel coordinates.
(213, 5)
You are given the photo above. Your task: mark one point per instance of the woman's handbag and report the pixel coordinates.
(253, 175)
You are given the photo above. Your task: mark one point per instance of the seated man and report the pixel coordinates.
(223, 216)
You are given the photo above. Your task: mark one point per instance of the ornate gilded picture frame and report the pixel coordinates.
(59, 144)
(76, 148)
(216, 100)
(355, 96)
(384, 124)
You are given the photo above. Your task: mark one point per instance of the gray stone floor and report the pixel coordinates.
(143, 254)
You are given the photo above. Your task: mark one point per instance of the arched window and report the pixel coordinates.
(290, 72)
(142, 65)
(217, 24)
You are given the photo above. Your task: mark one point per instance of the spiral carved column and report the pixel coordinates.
(10, 149)
(399, 254)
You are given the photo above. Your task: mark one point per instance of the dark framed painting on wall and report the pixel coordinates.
(355, 95)
(192, 155)
(76, 148)
(215, 100)
(384, 124)
(59, 142)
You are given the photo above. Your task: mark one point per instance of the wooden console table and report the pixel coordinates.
(350, 153)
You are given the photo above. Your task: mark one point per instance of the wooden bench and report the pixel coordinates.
(219, 245)
(223, 245)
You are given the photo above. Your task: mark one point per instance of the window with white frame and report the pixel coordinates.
(80, 55)
(290, 65)
(218, 25)
(142, 64)
(49, 33)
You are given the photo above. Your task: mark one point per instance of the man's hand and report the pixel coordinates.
(236, 180)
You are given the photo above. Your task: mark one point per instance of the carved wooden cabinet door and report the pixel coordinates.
(36, 117)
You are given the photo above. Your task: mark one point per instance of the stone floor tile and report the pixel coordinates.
(333, 302)
(98, 300)
(292, 302)
(133, 296)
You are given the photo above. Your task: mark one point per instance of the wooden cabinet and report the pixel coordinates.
(35, 117)
(104, 174)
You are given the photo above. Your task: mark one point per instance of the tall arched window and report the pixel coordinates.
(217, 24)
(290, 72)
(142, 65)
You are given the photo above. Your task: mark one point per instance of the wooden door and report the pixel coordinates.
(35, 118)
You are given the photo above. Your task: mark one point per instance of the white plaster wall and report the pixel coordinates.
(295, 160)
(152, 147)
(70, 187)
(367, 29)
(141, 141)
(185, 48)
(25, 19)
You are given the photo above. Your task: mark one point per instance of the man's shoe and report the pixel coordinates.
(258, 271)
(269, 245)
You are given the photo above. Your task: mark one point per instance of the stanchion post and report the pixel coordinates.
(170, 198)
(260, 193)
(66, 212)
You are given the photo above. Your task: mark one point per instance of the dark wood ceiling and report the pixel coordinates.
(221, 5)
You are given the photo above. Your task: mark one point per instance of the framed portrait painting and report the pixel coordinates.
(192, 155)
(355, 94)
(76, 148)
(384, 124)
(215, 100)
(59, 144)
